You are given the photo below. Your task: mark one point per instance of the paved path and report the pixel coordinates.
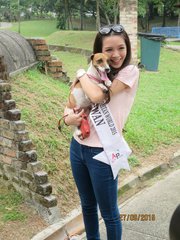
(5, 25)
(173, 39)
(160, 199)
(173, 47)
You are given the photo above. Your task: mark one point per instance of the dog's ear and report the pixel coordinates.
(92, 56)
(106, 56)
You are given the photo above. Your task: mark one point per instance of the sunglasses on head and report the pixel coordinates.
(107, 29)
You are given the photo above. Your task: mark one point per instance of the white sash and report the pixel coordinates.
(116, 149)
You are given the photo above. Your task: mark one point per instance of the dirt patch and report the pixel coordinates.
(24, 230)
(161, 155)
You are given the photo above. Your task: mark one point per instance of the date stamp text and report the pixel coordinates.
(137, 217)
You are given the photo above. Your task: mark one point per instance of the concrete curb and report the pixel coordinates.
(23, 69)
(73, 220)
(73, 223)
(147, 173)
(173, 47)
(57, 48)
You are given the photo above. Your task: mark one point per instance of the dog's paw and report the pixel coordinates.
(108, 83)
(78, 133)
(76, 237)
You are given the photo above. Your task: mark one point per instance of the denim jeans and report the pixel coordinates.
(96, 187)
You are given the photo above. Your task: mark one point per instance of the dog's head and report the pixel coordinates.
(100, 62)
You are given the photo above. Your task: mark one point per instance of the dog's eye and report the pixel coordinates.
(99, 61)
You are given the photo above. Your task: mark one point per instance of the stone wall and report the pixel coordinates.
(128, 18)
(84, 52)
(19, 164)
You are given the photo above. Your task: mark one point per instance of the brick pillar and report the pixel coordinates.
(3, 69)
(52, 65)
(128, 18)
(41, 49)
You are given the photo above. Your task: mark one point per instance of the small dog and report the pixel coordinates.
(97, 72)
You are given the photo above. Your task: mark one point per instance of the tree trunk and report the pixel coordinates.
(98, 24)
(147, 18)
(69, 15)
(66, 13)
(164, 14)
(107, 18)
(151, 10)
(142, 22)
(82, 15)
(115, 11)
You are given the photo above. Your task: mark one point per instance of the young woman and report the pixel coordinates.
(94, 179)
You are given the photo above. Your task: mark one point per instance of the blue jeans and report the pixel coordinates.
(96, 186)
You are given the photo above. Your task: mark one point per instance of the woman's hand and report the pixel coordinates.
(74, 118)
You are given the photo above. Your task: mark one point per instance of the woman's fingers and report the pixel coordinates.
(75, 118)
(80, 113)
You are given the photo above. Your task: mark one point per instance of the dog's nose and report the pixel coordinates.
(107, 69)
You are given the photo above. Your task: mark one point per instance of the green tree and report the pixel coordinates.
(110, 10)
(105, 11)
(63, 11)
(165, 8)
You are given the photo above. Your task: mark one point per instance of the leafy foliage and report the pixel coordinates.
(148, 9)
(104, 11)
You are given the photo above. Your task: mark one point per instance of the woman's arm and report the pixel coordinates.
(125, 79)
(96, 93)
(117, 86)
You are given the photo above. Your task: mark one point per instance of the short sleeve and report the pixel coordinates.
(128, 75)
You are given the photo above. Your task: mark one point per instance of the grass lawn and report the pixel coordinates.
(155, 117)
(76, 39)
(173, 43)
(44, 28)
(35, 28)
(10, 202)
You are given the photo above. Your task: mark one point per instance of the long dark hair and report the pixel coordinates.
(98, 42)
